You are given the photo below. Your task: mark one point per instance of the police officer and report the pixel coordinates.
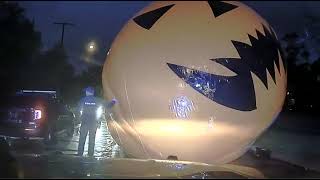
(90, 121)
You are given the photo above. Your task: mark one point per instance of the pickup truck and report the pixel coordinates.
(35, 114)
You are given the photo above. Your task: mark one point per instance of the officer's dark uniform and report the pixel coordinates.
(90, 121)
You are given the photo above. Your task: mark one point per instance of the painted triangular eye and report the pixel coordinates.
(147, 20)
(218, 8)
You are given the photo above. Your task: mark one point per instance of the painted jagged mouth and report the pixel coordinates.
(237, 92)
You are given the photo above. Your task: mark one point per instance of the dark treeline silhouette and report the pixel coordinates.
(303, 76)
(19, 44)
(25, 66)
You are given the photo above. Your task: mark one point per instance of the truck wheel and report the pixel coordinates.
(50, 138)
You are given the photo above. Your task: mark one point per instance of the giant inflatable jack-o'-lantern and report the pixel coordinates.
(197, 80)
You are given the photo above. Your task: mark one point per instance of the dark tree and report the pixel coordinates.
(19, 44)
(91, 77)
(303, 85)
(51, 71)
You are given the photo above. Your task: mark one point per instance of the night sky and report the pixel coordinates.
(102, 20)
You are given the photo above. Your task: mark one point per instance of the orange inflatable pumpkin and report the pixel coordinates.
(194, 79)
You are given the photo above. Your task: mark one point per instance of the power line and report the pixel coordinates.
(63, 24)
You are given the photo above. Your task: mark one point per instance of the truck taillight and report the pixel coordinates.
(37, 114)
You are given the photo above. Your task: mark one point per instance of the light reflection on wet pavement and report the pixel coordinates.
(286, 145)
(105, 146)
(294, 147)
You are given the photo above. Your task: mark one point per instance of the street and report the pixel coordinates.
(297, 148)
(105, 146)
(294, 138)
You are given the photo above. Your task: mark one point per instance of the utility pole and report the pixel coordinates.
(62, 34)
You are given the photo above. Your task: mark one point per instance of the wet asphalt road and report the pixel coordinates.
(105, 146)
(286, 143)
(294, 138)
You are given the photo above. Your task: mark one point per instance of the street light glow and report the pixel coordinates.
(91, 47)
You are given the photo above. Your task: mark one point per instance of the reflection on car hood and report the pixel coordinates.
(137, 168)
(169, 168)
